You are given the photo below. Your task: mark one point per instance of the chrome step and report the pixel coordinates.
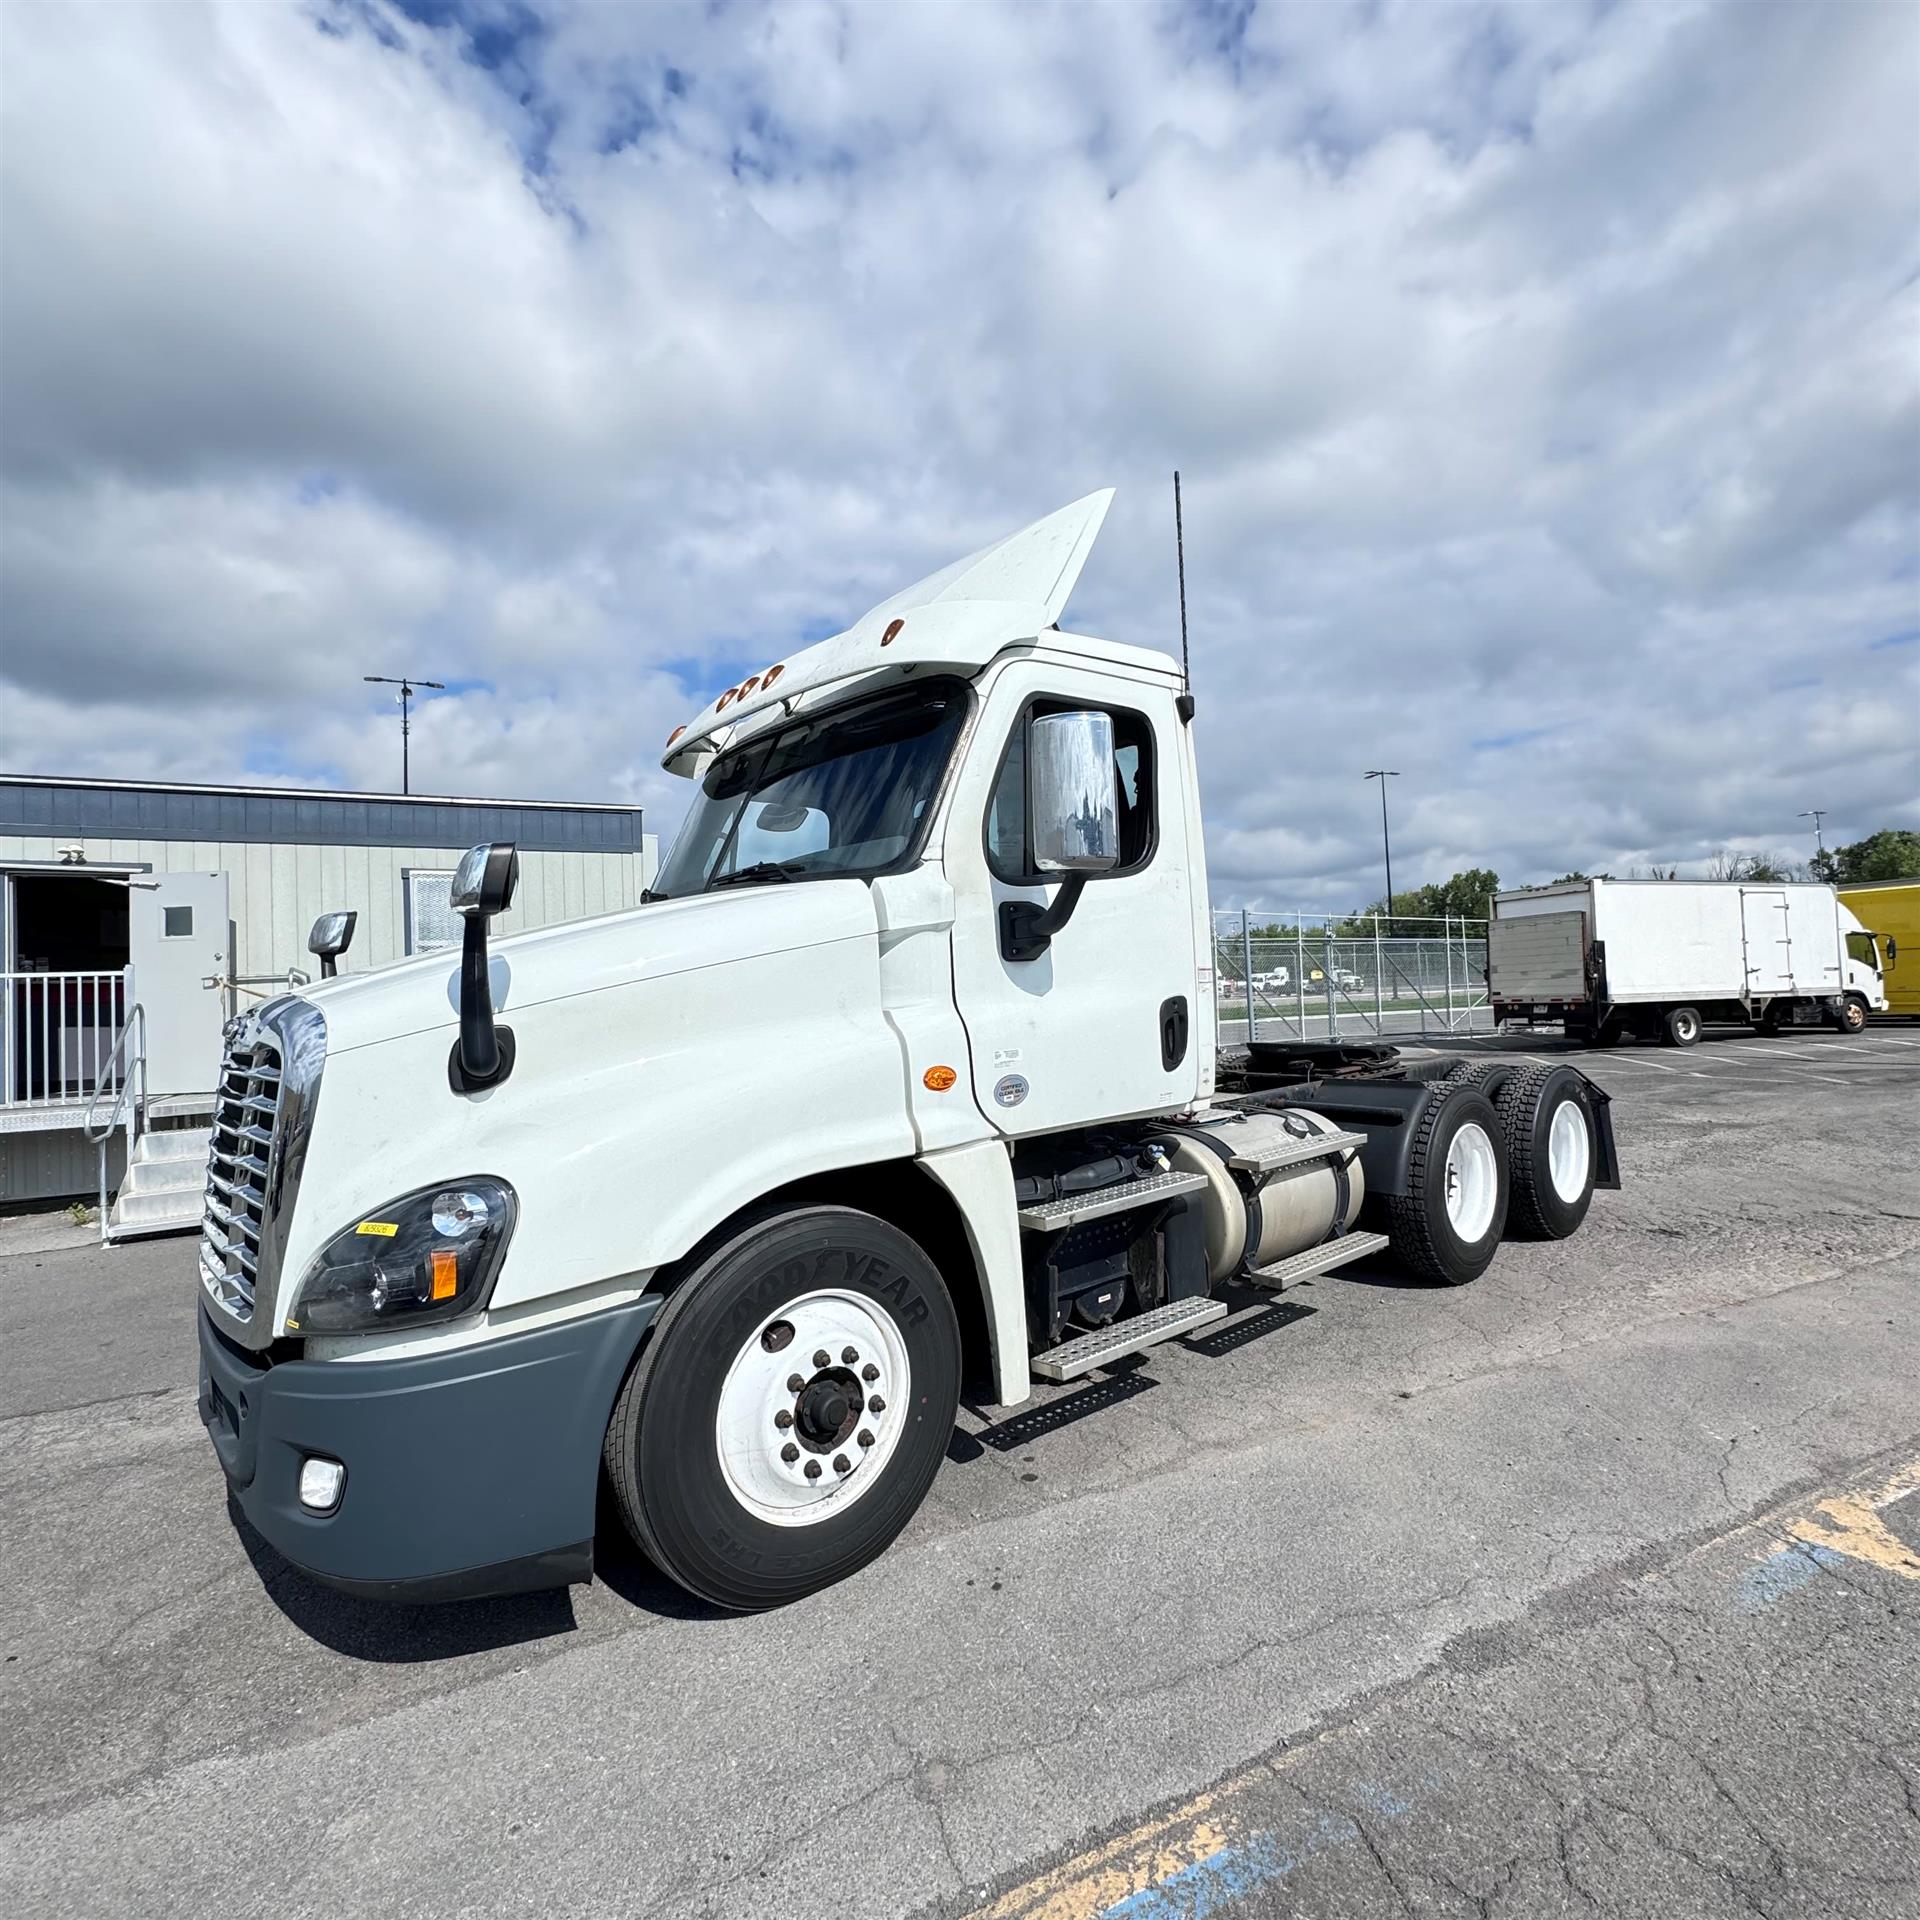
(1315, 1147)
(1050, 1216)
(1321, 1259)
(1075, 1357)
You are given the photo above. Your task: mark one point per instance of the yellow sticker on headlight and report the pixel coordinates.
(386, 1229)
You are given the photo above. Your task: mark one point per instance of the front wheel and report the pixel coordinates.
(790, 1410)
(1447, 1226)
(1852, 1017)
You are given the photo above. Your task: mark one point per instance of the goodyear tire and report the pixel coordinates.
(1547, 1124)
(1446, 1228)
(1682, 1027)
(791, 1409)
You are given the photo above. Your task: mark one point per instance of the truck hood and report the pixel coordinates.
(590, 956)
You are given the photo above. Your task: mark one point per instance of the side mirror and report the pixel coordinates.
(1073, 793)
(1073, 814)
(332, 935)
(483, 885)
(484, 881)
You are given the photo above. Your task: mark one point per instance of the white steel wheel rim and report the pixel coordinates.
(750, 1438)
(1569, 1150)
(1473, 1182)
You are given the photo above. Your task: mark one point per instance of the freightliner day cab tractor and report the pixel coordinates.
(906, 1070)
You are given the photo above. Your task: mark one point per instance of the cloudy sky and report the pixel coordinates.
(1546, 384)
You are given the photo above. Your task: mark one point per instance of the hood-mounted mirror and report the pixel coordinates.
(483, 885)
(332, 935)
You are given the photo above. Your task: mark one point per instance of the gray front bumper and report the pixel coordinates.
(468, 1472)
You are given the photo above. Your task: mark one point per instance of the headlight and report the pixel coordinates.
(428, 1256)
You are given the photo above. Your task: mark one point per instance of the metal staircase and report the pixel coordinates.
(164, 1186)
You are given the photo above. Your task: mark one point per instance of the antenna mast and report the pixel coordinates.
(1180, 552)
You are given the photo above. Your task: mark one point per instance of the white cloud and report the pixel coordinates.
(1544, 379)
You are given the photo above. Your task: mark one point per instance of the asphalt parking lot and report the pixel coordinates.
(1591, 1588)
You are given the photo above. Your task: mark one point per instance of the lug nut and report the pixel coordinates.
(789, 1453)
(794, 1383)
(841, 1464)
(813, 1469)
(848, 1355)
(783, 1419)
(866, 1439)
(876, 1405)
(823, 1358)
(869, 1373)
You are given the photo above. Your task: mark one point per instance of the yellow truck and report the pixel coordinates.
(1890, 909)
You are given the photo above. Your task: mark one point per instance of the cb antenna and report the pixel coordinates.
(1180, 553)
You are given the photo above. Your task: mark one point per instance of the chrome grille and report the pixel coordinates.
(238, 1168)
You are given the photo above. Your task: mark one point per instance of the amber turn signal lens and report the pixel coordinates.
(938, 1079)
(446, 1273)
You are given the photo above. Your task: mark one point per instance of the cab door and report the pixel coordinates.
(1103, 1023)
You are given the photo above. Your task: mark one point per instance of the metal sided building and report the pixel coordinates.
(189, 901)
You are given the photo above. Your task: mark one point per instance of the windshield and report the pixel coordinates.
(842, 792)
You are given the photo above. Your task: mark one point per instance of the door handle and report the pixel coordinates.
(1173, 1031)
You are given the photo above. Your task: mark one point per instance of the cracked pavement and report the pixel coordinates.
(1456, 1586)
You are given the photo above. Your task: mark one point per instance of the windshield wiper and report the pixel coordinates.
(760, 870)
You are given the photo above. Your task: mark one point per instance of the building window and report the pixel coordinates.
(176, 923)
(431, 920)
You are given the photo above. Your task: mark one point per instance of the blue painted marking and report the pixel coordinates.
(1782, 1572)
(1223, 1878)
(1242, 1868)
(1382, 1801)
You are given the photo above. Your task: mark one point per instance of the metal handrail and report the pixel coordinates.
(136, 1019)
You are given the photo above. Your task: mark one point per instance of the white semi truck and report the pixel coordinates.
(905, 1072)
(1610, 960)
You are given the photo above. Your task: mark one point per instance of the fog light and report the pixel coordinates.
(321, 1482)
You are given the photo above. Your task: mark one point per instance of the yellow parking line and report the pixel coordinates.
(1850, 1524)
(1138, 1859)
(1207, 1827)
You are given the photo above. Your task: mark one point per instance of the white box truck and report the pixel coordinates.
(1657, 959)
(905, 1071)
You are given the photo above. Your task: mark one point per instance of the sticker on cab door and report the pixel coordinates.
(1010, 1089)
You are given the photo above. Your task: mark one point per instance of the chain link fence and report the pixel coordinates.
(1315, 976)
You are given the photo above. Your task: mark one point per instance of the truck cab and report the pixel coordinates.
(905, 1069)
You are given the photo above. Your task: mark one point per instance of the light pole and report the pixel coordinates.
(1383, 775)
(405, 696)
(1816, 815)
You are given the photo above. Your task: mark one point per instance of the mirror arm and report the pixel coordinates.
(1027, 930)
(483, 1054)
